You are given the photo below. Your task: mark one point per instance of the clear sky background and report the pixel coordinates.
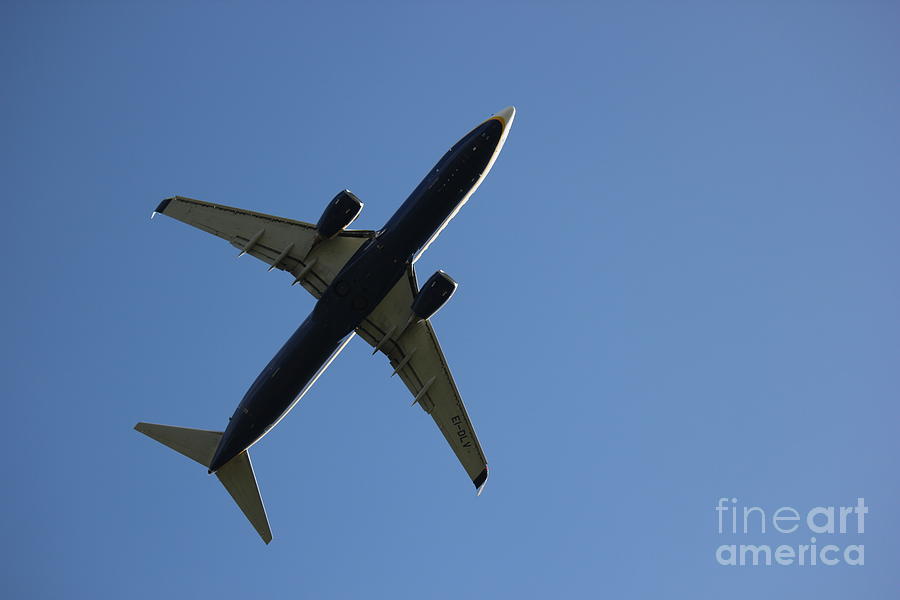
(678, 283)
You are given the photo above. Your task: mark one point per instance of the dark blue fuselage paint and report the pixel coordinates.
(357, 289)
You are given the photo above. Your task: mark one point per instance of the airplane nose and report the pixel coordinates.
(507, 115)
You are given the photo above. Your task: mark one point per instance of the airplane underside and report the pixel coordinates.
(365, 284)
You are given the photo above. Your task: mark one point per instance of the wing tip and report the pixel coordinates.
(480, 481)
(161, 209)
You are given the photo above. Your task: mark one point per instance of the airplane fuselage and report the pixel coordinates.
(359, 287)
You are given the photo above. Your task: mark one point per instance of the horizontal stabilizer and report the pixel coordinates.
(196, 444)
(236, 475)
(238, 478)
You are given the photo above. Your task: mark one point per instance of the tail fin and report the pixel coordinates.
(236, 475)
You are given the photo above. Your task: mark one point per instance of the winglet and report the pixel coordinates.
(480, 481)
(162, 206)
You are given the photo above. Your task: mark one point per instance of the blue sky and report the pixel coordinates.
(678, 283)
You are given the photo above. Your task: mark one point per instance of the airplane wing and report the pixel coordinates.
(416, 356)
(284, 244)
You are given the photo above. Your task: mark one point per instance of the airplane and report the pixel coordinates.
(365, 283)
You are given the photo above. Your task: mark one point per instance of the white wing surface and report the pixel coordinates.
(291, 246)
(415, 354)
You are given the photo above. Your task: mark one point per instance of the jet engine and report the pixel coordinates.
(339, 213)
(433, 295)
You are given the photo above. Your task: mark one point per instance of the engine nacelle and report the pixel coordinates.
(433, 295)
(339, 213)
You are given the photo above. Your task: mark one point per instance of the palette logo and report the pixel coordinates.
(824, 525)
